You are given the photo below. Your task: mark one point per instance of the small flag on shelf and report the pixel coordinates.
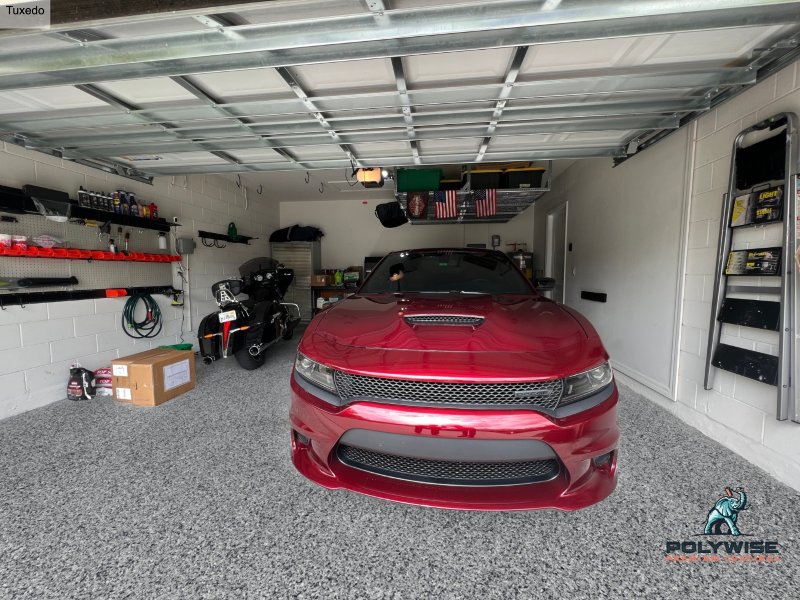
(485, 202)
(446, 204)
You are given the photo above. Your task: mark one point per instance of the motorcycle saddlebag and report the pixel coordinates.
(209, 346)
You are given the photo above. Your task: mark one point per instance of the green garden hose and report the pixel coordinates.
(147, 328)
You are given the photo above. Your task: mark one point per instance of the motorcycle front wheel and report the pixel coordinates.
(249, 362)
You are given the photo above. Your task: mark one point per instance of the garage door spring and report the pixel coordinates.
(150, 326)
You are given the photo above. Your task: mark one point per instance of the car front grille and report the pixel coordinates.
(536, 394)
(446, 472)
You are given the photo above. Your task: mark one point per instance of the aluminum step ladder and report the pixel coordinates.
(755, 206)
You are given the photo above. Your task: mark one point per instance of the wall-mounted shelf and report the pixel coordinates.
(79, 254)
(13, 200)
(102, 216)
(25, 298)
(221, 237)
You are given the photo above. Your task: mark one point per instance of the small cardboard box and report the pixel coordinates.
(320, 280)
(152, 377)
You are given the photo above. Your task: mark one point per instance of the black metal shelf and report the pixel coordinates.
(240, 239)
(12, 298)
(102, 216)
(13, 200)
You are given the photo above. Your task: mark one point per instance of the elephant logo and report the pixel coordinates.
(725, 513)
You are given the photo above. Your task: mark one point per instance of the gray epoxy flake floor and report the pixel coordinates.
(198, 499)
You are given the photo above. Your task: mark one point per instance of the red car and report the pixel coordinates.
(448, 381)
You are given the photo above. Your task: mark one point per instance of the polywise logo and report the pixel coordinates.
(721, 537)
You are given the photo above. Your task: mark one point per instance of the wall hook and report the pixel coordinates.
(307, 176)
(321, 188)
(239, 181)
(259, 189)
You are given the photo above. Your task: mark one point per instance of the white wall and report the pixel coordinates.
(624, 225)
(352, 231)
(738, 412)
(38, 343)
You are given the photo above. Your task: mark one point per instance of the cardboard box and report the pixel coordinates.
(152, 377)
(320, 280)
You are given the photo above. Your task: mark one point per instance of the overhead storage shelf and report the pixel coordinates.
(510, 203)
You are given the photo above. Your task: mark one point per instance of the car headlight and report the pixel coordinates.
(586, 383)
(316, 373)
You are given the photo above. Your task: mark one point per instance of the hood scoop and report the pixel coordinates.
(463, 320)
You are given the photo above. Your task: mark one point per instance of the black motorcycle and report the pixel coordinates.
(246, 328)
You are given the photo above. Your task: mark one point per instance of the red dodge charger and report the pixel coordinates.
(448, 381)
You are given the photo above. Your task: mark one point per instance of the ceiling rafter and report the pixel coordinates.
(112, 146)
(84, 35)
(293, 124)
(411, 31)
(659, 79)
(315, 112)
(402, 90)
(394, 161)
(524, 109)
(508, 84)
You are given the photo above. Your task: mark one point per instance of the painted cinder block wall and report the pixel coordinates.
(38, 343)
(738, 412)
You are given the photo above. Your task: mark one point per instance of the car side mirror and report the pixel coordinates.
(544, 284)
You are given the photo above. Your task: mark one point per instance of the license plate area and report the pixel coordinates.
(225, 317)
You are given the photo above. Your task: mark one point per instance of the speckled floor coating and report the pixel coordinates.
(198, 499)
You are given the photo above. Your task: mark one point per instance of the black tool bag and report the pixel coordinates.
(81, 384)
(391, 214)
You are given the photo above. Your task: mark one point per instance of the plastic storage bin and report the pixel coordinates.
(530, 177)
(418, 180)
(483, 179)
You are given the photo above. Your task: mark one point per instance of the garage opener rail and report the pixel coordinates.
(764, 189)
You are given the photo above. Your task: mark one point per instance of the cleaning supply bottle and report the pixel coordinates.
(123, 200)
(153, 210)
(133, 206)
(117, 204)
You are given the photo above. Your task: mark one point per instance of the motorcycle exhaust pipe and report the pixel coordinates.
(207, 360)
(259, 348)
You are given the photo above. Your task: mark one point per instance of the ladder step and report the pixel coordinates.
(759, 314)
(747, 363)
(755, 261)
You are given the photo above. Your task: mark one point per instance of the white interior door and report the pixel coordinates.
(555, 259)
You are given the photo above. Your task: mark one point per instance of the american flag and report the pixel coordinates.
(446, 204)
(485, 202)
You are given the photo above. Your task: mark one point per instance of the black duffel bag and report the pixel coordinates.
(296, 233)
(391, 214)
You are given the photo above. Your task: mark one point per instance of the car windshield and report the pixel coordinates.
(446, 271)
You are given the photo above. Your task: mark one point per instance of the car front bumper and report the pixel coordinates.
(583, 443)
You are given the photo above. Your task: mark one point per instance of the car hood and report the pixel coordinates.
(518, 336)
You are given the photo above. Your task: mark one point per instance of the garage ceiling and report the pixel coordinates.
(304, 85)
